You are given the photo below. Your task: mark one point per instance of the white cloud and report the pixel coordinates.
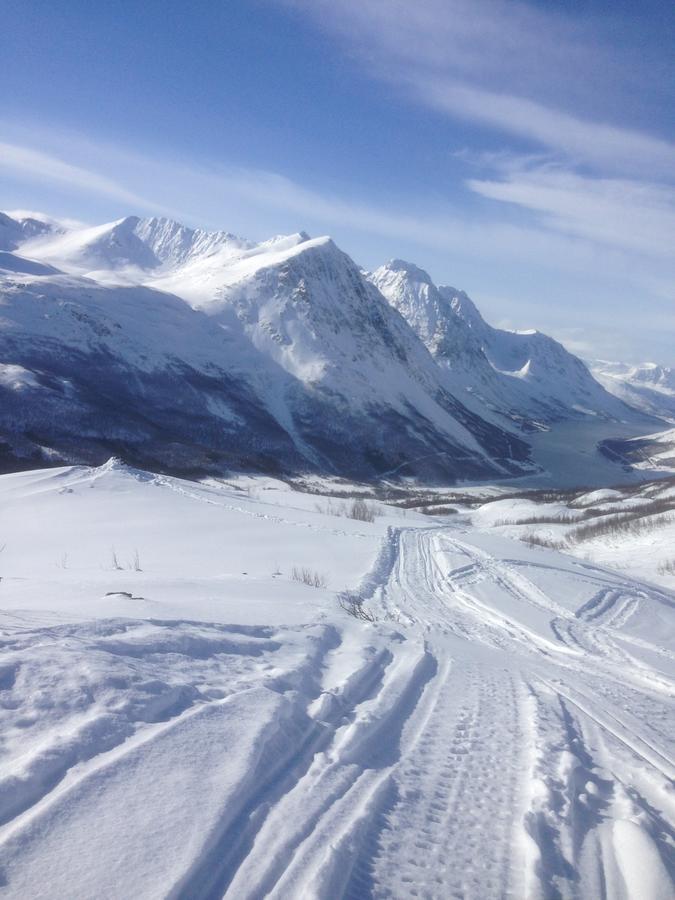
(209, 188)
(632, 215)
(485, 38)
(517, 68)
(593, 202)
(25, 162)
(596, 143)
(43, 217)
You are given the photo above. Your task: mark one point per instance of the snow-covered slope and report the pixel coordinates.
(280, 353)
(87, 369)
(655, 452)
(649, 386)
(526, 378)
(182, 718)
(630, 528)
(385, 375)
(306, 305)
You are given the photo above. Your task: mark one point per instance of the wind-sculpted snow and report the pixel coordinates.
(125, 737)
(128, 245)
(503, 728)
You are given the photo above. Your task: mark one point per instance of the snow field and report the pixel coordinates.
(641, 545)
(504, 729)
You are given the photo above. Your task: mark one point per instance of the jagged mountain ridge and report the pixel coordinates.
(525, 378)
(132, 242)
(288, 360)
(312, 297)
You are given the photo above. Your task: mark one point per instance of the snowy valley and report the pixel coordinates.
(313, 584)
(197, 353)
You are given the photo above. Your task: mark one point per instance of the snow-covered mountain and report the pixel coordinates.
(131, 245)
(191, 350)
(182, 349)
(89, 369)
(649, 386)
(525, 378)
(14, 232)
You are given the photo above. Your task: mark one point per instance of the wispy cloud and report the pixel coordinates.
(199, 194)
(617, 149)
(632, 215)
(26, 162)
(522, 69)
(574, 179)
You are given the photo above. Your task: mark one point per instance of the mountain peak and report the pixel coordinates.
(174, 244)
(415, 273)
(14, 231)
(522, 377)
(128, 223)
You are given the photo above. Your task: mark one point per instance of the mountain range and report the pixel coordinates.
(200, 352)
(525, 378)
(647, 386)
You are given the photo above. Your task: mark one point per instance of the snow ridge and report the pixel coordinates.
(648, 386)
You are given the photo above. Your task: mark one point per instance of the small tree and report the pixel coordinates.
(361, 511)
(309, 577)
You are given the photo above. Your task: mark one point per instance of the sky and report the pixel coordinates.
(524, 152)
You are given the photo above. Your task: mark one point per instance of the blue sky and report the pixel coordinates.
(522, 151)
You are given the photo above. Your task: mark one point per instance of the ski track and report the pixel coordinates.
(492, 739)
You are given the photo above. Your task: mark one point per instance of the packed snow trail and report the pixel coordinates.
(503, 730)
(494, 781)
(568, 715)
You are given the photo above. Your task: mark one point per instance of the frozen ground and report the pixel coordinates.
(209, 727)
